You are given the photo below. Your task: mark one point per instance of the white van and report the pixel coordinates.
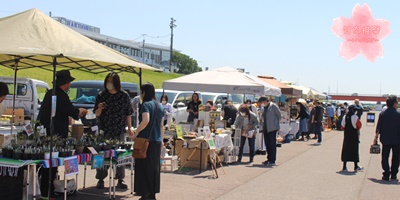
(218, 99)
(30, 94)
(179, 101)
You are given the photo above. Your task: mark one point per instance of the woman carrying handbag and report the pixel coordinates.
(147, 170)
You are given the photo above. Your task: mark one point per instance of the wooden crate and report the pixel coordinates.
(19, 115)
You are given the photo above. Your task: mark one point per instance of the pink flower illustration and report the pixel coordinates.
(361, 34)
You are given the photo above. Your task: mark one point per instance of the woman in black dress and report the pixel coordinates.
(193, 108)
(351, 140)
(147, 171)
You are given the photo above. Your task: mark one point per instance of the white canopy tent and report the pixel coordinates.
(308, 92)
(225, 80)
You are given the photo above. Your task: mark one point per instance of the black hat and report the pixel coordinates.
(261, 99)
(63, 77)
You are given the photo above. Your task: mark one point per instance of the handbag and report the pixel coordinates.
(375, 149)
(140, 145)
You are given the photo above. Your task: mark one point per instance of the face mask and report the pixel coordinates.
(262, 105)
(249, 105)
(243, 114)
(110, 86)
(164, 102)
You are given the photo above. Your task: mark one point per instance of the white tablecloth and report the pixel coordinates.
(223, 140)
(294, 128)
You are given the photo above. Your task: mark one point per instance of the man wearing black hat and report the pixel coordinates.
(271, 116)
(64, 110)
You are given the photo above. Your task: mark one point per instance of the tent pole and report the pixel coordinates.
(15, 92)
(52, 124)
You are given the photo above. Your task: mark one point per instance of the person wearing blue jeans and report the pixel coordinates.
(246, 121)
(271, 115)
(317, 120)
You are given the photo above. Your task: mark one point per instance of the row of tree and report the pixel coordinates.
(185, 63)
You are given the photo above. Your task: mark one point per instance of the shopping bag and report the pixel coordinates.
(140, 146)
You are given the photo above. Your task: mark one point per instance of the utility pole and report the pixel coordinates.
(172, 26)
(143, 48)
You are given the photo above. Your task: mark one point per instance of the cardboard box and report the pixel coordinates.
(196, 144)
(194, 161)
(18, 114)
(178, 147)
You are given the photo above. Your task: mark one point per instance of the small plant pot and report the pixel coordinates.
(54, 154)
(17, 155)
(128, 147)
(25, 156)
(10, 153)
(47, 155)
(34, 156)
(107, 147)
(97, 148)
(79, 150)
(4, 152)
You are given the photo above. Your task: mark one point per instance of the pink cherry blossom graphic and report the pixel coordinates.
(361, 34)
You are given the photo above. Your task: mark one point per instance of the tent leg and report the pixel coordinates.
(52, 126)
(15, 92)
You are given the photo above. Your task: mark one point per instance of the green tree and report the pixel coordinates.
(186, 64)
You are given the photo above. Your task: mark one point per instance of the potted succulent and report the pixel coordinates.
(17, 154)
(79, 146)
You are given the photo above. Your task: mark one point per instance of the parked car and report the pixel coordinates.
(83, 94)
(30, 94)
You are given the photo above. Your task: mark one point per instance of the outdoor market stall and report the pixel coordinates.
(221, 80)
(32, 39)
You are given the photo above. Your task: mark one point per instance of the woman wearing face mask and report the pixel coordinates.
(114, 110)
(167, 107)
(246, 121)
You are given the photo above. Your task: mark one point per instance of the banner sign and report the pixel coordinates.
(361, 34)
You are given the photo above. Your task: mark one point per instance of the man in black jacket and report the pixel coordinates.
(64, 109)
(317, 120)
(389, 128)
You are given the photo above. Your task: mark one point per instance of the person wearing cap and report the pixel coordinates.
(64, 107)
(3, 91)
(64, 110)
(271, 116)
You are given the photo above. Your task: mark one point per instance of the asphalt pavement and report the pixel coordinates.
(302, 171)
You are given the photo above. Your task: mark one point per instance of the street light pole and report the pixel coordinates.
(172, 26)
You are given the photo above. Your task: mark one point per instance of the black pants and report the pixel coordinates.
(395, 160)
(270, 144)
(44, 181)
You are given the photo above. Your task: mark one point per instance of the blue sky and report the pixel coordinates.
(290, 40)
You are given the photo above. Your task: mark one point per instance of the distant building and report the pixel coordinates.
(154, 55)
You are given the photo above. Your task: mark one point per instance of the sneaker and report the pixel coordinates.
(385, 178)
(344, 170)
(301, 139)
(314, 138)
(317, 143)
(306, 138)
(100, 184)
(268, 163)
(121, 184)
(393, 178)
(359, 168)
